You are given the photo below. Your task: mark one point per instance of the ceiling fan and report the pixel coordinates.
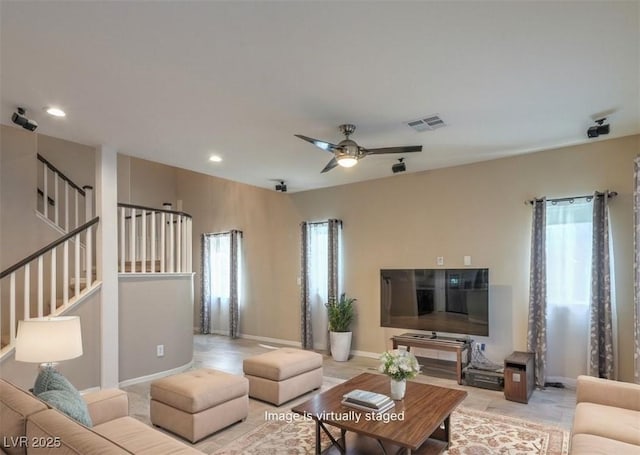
(347, 152)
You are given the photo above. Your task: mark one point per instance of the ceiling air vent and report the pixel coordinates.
(429, 123)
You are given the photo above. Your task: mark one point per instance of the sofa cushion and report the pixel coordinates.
(282, 363)
(69, 403)
(66, 436)
(15, 406)
(139, 438)
(608, 422)
(197, 390)
(589, 444)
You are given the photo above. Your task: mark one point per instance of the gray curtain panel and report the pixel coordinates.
(636, 265)
(334, 235)
(306, 332)
(234, 313)
(537, 327)
(601, 332)
(205, 294)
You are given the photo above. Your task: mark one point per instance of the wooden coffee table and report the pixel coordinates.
(424, 429)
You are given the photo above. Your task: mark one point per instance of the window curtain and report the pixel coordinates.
(636, 266)
(306, 329)
(320, 279)
(235, 238)
(221, 274)
(601, 355)
(205, 291)
(537, 326)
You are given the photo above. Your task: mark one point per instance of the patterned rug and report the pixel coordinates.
(473, 433)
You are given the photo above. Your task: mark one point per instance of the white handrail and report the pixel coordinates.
(50, 283)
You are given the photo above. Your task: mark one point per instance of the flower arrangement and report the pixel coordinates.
(399, 365)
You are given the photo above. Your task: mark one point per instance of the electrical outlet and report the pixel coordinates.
(440, 260)
(467, 260)
(160, 350)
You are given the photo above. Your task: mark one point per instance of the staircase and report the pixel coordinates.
(59, 275)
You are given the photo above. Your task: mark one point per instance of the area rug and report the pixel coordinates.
(473, 433)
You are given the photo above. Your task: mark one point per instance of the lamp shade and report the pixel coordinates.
(42, 340)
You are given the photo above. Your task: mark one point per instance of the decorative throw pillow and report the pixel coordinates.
(55, 389)
(68, 403)
(51, 379)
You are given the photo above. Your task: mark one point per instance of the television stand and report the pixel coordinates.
(438, 343)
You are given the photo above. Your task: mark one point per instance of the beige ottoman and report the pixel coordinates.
(283, 374)
(199, 402)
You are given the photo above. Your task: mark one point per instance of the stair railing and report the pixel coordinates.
(154, 240)
(63, 202)
(62, 291)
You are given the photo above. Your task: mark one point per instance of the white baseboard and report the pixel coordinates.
(296, 344)
(154, 376)
(371, 355)
(90, 390)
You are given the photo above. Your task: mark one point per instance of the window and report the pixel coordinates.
(568, 251)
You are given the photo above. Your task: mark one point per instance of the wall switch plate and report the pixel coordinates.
(467, 260)
(440, 260)
(160, 350)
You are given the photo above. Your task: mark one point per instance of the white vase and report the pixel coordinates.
(340, 346)
(398, 389)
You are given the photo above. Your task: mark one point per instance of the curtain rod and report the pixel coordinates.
(588, 197)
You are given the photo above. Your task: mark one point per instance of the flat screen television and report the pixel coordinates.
(438, 300)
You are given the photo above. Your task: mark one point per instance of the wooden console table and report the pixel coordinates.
(438, 343)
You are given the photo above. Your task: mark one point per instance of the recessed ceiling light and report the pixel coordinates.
(215, 158)
(56, 112)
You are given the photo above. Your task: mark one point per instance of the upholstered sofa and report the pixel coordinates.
(607, 418)
(30, 426)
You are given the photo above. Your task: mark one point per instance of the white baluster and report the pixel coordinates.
(132, 241)
(65, 273)
(89, 261)
(56, 200)
(88, 202)
(76, 269)
(45, 192)
(190, 245)
(179, 243)
(66, 206)
(40, 287)
(163, 226)
(153, 242)
(123, 236)
(12, 308)
(171, 247)
(53, 295)
(143, 222)
(27, 294)
(76, 209)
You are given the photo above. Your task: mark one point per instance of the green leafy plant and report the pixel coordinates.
(341, 313)
(399, 365)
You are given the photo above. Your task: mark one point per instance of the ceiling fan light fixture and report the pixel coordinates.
(347, 161)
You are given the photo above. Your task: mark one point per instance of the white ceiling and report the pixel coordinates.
(174, 82)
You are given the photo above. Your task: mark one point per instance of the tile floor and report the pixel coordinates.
(552, 406)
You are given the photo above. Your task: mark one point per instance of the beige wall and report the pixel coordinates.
(152, 311)
(476, 210)
(146, 183)
(76, 161)
(406, 221)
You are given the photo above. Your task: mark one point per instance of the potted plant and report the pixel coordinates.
(399, 365)
(340, 314)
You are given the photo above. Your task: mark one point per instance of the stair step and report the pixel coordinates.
(138, 266)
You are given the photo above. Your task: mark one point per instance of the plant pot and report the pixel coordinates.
(398, 388)
(340, 345)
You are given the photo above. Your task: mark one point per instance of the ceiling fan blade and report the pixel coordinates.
(324, 145)
(407, 149)
(330, 165)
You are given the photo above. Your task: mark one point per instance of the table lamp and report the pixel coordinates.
(49, 340)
